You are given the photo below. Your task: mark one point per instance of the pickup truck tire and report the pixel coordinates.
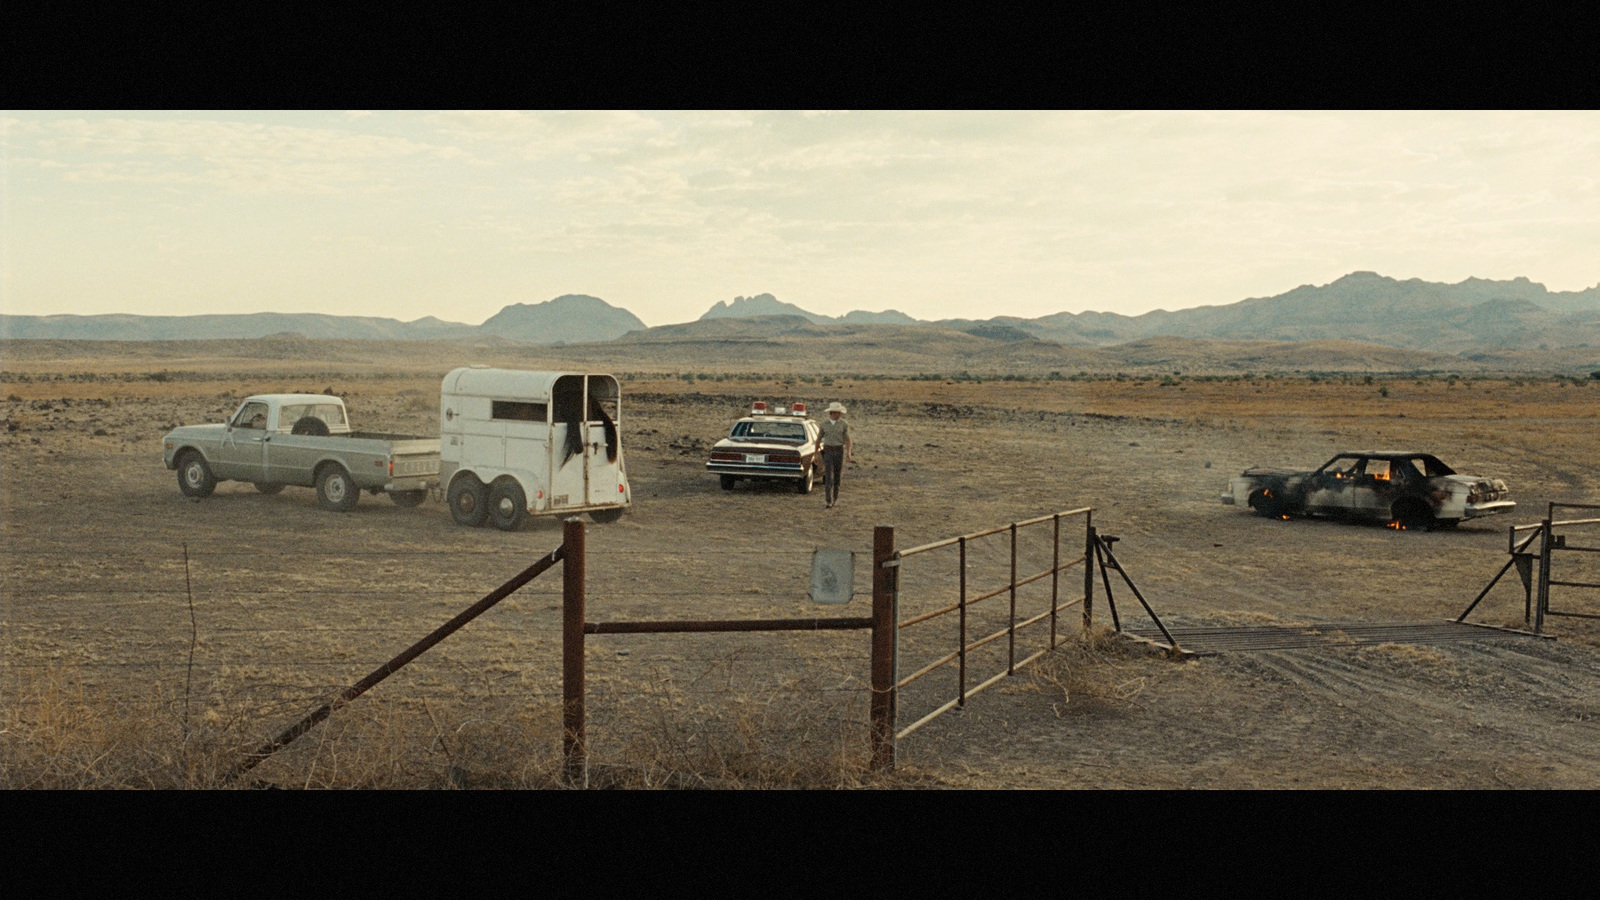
(269, 487)
(408, 499)
(508, 505)
(194, 476)
(807, 480)
(336, 490)
(606, 516)
(469, 501)
(310, 425)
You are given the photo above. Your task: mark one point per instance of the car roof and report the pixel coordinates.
(294, 398)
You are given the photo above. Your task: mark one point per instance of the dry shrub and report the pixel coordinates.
(57, 733)
(1099, 667)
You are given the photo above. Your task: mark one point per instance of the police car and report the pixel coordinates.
(770, 445)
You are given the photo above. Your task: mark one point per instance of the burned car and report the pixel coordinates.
(770, 446)
(1412, 491)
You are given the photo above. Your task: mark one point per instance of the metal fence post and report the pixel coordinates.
(573, 748)
(1011, 626)
(1542, 602)
(961, 648)
(1055, 575)
(881, 711)
(1088, 574)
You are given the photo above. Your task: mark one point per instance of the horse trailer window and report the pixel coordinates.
(517, 411)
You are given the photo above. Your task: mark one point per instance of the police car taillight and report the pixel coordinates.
(758, 408)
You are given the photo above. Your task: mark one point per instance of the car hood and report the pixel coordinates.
(196, 431)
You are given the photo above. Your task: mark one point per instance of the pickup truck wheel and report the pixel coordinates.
(606, 516)
(469, 501)
(806, 481)
(727, 482)
(269, 488)
(194, 476)
(336, 490)
(408, 499)
(508, 505)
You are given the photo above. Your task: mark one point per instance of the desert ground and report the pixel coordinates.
(146, 639)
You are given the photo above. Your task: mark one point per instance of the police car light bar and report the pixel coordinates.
(758, 408)
(799, 408)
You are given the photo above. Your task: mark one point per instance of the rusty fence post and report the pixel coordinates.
(1541, 603)
(573, 749)
(1055, 575)
(961, 648)
(1011, 625)
(1088, 574)
(882, 709)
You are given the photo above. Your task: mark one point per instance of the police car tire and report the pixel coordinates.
(727, 482)
(807, 481)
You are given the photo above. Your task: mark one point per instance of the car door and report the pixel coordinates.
(242, 455)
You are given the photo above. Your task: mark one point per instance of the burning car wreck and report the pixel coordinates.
(1409, 491)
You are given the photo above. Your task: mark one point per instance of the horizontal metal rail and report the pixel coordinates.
(959, 700)
(709, 626)
(986, 640)
(978, 534)
(989, 596)
(1587, 584)
(1556, 524)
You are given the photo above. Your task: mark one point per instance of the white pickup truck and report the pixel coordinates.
(276, 440)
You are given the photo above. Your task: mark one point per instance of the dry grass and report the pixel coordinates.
(57, 734)
(1100, 668)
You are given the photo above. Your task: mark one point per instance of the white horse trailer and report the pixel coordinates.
(515, 443)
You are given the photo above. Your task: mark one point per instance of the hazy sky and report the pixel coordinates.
(457, 214)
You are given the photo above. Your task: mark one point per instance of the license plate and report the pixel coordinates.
(755, 457)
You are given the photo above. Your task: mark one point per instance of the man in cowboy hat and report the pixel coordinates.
(836, 450)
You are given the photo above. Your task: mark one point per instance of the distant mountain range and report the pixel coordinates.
(1475, 316)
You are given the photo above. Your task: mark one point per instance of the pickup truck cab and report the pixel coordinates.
(305, 440)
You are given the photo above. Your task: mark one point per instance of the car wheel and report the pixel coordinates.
(1413, 515)
(336, 490)
(727, 482)
(508, 505)
(469, 501)
(1268, 505)
(606, 516)
(807, 481)
(194, 476)
(269, 487)
(408, 499)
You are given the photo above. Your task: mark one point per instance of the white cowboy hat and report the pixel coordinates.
(836, 407)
